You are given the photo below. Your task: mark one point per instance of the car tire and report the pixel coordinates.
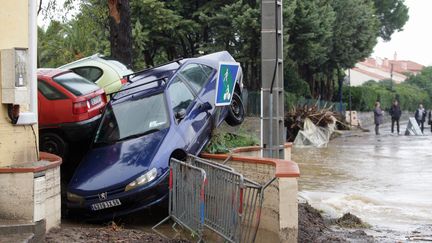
(52, 143)
(236, 111)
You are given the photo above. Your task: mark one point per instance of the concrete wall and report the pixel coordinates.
(17, 143)
(16, 197)
(31, 193)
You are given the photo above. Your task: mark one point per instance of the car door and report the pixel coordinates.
(198, 76)
(182, 98)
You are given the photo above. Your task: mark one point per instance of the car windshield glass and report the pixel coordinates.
(76, 84)
(132, 118)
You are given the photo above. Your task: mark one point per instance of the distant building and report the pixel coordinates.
(378, 69)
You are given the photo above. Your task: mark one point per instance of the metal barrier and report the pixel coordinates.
(186, 196)
(230, 204)
(233, 203)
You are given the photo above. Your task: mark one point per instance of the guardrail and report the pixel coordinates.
(231, 204)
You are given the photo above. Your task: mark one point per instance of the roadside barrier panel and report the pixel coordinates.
(186, 196)
(207, 194)
(233, 203)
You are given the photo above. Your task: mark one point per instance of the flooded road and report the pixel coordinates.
(385, 180)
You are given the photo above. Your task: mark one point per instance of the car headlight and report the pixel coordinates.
(74, 197)
(143, 179)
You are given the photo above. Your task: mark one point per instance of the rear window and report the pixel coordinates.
(76, 84)
(90, 73)
(50, 92)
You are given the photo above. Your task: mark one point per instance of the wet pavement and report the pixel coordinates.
(385, 180)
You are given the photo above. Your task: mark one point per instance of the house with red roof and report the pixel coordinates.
(378, 69)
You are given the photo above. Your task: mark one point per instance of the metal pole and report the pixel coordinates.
(391, 77)
(349, 90)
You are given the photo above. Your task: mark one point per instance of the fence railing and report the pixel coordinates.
(186, 201)
(230, 204)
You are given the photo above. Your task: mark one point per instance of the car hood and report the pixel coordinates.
(113, 166)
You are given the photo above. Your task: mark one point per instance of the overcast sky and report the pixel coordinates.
(415, 41)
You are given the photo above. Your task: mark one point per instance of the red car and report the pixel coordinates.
(70, 107)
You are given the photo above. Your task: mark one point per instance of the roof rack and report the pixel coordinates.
(164, 79)
(150, 68)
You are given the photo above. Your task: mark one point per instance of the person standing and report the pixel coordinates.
(420, 116)
(430, 120)
(395, 113)
(378, 117)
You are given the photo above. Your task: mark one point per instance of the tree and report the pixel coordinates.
(392, 14)
(423, 80)
(120, 31)
(354, 36)
(310, 38)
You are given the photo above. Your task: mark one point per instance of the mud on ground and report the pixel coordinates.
(314, 228)
(103, 234)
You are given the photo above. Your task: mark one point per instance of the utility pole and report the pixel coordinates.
(272, 92)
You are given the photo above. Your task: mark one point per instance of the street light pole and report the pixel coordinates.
(349, 93)
(391, 77)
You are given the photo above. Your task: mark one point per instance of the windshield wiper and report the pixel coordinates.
(139, 134)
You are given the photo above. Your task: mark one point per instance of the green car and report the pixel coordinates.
(107, 74)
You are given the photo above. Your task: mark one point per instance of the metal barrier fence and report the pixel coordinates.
(186, 196)
(233, 203)
(230, 204)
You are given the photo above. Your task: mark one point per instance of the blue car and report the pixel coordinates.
(163, 112)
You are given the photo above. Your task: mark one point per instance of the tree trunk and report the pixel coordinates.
(120, 31)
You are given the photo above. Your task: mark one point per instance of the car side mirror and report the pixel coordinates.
(205, 107)
(179, 115)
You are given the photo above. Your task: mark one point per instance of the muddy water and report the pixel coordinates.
(385, 180)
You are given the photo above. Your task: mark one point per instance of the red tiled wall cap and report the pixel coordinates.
(255, 148)
(54, 160)
(284, 168)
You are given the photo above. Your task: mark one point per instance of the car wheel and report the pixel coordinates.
(53, 143)
(236, 111)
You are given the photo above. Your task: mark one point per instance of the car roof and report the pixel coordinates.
(150, 81)
(96, 60)
(50, 72)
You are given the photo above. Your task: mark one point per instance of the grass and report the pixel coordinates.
(224, 141)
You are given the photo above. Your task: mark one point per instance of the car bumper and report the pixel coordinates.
(156, 193)
(82, 130)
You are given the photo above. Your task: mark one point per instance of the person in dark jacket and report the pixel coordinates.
(420, 116)
(395, 113)
(430, 120)
(378, 117)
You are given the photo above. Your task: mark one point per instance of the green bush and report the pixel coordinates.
(363, 97)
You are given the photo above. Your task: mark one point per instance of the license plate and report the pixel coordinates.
(96, 100)
(107, 204)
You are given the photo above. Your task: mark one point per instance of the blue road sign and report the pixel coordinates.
(225, 83)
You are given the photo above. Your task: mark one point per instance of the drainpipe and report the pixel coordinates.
(28, 118)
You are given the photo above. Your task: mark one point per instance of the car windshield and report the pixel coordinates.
(76, 84)
(132, 118)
